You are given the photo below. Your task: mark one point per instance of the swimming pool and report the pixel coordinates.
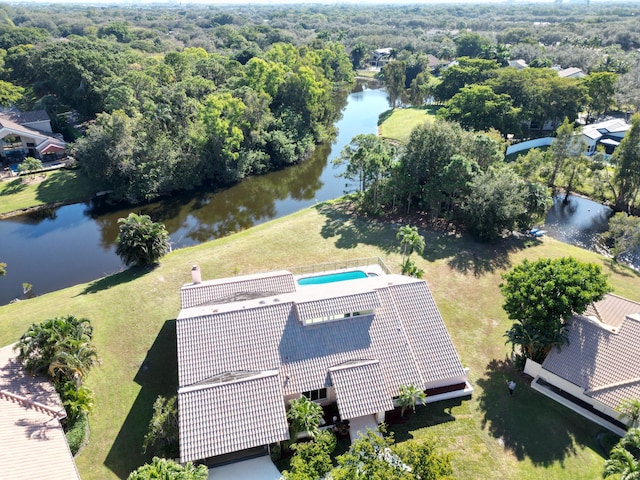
(333, 277)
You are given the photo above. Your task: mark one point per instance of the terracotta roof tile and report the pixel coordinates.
(605, 364)
(360, 389)
(221, 418)
(405, 336)
(32, 439)
(230, 289)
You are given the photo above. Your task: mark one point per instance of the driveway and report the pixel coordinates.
(261, 468)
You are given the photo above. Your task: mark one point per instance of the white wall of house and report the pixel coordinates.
(535, 143)
(535, 370)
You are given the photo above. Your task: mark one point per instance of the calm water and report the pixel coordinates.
(578, 222)
(75, 245)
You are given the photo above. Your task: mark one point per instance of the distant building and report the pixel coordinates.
(28, 134)
(572, 72)
(608, 133)
(380, 57)
(519, 64)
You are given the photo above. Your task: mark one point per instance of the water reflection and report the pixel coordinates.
(577, 222)
(75, 244)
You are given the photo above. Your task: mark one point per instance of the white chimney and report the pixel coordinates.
(196, 276)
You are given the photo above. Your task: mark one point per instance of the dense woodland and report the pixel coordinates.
(175, 98)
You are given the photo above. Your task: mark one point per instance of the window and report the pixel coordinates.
(340, 316)
(315, 395)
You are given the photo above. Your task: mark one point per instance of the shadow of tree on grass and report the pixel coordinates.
(425, 416)
(352, 230)
(529, 424)
(157, 375)
(125, 276)
(13, 187)
(463, 252)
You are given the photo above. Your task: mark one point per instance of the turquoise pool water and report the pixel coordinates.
(332, 277)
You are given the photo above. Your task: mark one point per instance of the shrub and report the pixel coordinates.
(77, 432)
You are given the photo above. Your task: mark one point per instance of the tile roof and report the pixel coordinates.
(429, 340)
(308, 310)
(604, 363)
(614, 126)
(570, 72)
(31, 436)
(226, 417)
(230, 289)
(29, 117)
(612, 309)
(405, 336)
(5, 122)
(360, 389)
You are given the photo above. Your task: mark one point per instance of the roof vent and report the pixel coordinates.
(196, 276)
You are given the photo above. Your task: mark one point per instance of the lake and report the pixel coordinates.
(76, 243)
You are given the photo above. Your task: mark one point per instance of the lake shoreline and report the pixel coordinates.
(133, 316)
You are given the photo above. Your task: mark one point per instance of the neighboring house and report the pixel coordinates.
(25, 134)
(248, 345)
(435, 63)
(608, 133)
(572, 72)
(380, 57)
(600, 365)
(32, 438)
(519, 64)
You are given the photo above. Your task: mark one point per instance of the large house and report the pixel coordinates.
(33, 441)
(347, 339)
(25, 134)
(600, 365)
(608, 133)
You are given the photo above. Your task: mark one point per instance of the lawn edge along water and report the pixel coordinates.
(490, 435)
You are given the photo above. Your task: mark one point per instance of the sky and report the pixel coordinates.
(283, 2)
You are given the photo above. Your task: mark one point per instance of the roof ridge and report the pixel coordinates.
(354, 363)
(613, 385)
(31, 403)
(203, 386)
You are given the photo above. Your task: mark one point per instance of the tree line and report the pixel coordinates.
(448, 173)
(186, 118)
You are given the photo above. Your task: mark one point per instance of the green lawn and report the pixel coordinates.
(40, 189)
(397, 124)
(491, 435)
(367, 73)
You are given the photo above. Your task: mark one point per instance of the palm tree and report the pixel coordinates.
(410, 241)
(630, 408)
(410, 396)
(624, 459)
(141, 242)
(305, 416)
(76, 401)
(59, 348)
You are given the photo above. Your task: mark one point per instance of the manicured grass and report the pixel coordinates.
(367, 73)
(58, 186)
(398, 123)
(134, 313)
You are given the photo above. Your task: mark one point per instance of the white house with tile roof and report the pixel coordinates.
(248, 345)
(28, 134)
(33, 441)
(599, 367)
